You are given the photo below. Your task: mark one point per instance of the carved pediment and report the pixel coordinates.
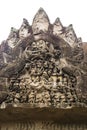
(43, 65)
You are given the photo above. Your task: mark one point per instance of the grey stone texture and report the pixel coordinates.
(43, 65)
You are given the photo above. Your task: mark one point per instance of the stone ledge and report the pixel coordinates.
(73, 115)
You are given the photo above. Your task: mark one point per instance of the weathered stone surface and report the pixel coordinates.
(43, 65)
(69, 35)
(24, 30)
(41, 125)
(57, 27)
(40, 22)
(13, 38)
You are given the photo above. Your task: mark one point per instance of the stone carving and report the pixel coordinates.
(70, 35)
(13, 38)
(57, 27)
(40, 19)
(42, 125)
(24, 30)
(44, 65)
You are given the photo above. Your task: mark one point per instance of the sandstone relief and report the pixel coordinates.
(43, 65)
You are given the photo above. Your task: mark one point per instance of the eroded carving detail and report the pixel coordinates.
(43, 65)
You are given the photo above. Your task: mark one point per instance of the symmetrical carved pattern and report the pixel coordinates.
(43, 65)
(42, 82)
